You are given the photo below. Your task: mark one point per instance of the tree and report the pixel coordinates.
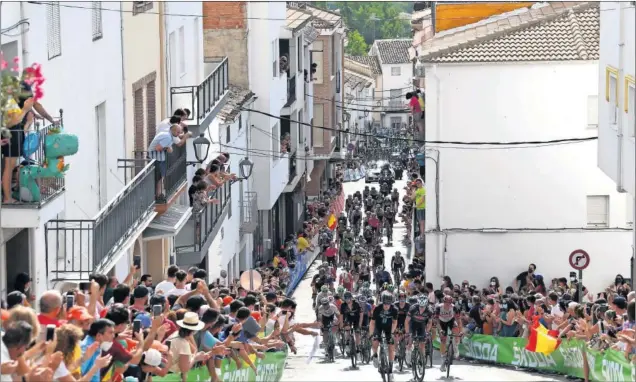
(356, 45)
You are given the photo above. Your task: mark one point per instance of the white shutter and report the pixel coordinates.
(613, 101)
(592, 112)
(97, 20)
(598, 211)
(53, 30)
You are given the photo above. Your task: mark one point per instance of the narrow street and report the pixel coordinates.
(298, 370)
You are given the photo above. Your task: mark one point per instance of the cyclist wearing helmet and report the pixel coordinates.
(403, 309)
(447, 314)
(382, 276)
(365, 272)
(328, 315)
(397, 264)
(419, 321)
(317, 282)
(356, 259)
(351, 315)
(368, 235)
(384, 321)
(378, 256)
(366, 309)
(345, 279)
(324, 293)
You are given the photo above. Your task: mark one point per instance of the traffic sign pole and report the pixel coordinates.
(579, 260)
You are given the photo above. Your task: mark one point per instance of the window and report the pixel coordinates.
(172, 62)
(102, 149)
(182, 63)
(318, 57)
(240, 122)
(299, 51)
(611, 93)
(395, 99)
(630, 104)
(395, 71)
(97, 20)
(301, 129)
(333, 54)
(592, 112)
(141, 6)
(319, 120)
(396, 122)
(275, 58)
(629, 210)
(227, 134)
(53, 30)
(138, 120)
(151, 111)
(598, 211)
(275, 137)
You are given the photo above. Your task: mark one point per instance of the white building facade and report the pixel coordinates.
(617, 99)
(397, 79)
(492, 210)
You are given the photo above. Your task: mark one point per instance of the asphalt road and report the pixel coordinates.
(298, 369)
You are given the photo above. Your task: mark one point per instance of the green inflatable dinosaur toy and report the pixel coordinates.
(56, 146)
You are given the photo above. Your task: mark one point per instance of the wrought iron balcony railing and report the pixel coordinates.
(205, 221)
(249, 213)
(170, 174)
(77, 248)
(38, 184)
(202, 99)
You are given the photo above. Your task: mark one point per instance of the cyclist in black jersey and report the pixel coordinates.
(403, 309)
(419, 321)
(352, 315)
(384, 321)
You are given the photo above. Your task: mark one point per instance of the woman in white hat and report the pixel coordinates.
(182, 347)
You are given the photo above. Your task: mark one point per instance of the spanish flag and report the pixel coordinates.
(541, 339)
(332, 222)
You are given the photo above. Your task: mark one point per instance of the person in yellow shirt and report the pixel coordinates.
(302, 244)
(419, 196)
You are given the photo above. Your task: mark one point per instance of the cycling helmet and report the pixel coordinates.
(398, 253)
(347, 295)
(386, 298)
(340, 290)
(324, 288)
(385, 285)
(366, 285)
(401, 294)
(362, 299)
(390, 288)
(422, 302)
(412, 300)
(448, 298)
(324, 301)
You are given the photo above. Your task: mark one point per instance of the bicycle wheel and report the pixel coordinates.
(401, 354)
(383, 364)
(449, 358)
(418, 363)
(429, 351)
(366, 349)
(332, 348)
(353, 351)
(342, 343)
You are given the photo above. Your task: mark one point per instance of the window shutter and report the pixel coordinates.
(138, 112)
(97, 20)
(53, 33)
(598, 211)
(151, 115)
(592, 111)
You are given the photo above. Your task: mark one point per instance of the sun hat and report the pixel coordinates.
(152, 357)
(191, 321)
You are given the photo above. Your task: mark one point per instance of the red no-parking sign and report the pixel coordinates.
(579, 259)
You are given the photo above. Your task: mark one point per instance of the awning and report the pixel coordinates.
(169, 223)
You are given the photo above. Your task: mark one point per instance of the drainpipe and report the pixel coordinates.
(123, 76)
(163, 68)
(619, 119)
(441, 238)
(24, 41)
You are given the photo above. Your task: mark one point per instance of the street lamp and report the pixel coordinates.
(245, 168)
(201, 145)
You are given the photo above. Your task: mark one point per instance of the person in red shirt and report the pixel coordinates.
(346, 279)
(330, 253)
(51, 309)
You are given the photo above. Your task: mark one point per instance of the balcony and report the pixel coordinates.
(194, 240)
(169, 186)
(77, 248)
(38, 180)
(204, 100)
(249, 213)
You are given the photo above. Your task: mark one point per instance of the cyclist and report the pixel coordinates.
(395, 197)
(365, 272)
(345, 279)
(328, 315)
(368, 203)
(342, 224)
(384, 321)
(365, 192)
(382, 276)
(373, 193)
(351, 316)
(447, 315)
(366, 310)
(419, 321)
(347, 242)
(378, 256)
(397, 264)
(317, 283)
(356, 259)
(349, 203)
(368, 235)
(324, 293)
(356, 217)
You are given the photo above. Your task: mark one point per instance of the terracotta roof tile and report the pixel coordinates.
(371, 61)
(553, 32)
(237, 97)
(394, 51)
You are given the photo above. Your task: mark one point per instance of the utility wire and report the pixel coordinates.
(265, 18)
(480, 143)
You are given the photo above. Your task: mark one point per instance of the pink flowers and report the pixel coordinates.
(33, 76)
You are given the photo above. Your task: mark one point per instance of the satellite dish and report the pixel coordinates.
(254, 283)
(223, 273)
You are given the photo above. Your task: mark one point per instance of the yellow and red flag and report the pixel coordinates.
(332, 222)
(542, 340)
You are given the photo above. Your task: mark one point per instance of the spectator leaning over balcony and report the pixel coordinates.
(158, 149)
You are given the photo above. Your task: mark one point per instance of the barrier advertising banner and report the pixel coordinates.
(568, 359)
(268, 369)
